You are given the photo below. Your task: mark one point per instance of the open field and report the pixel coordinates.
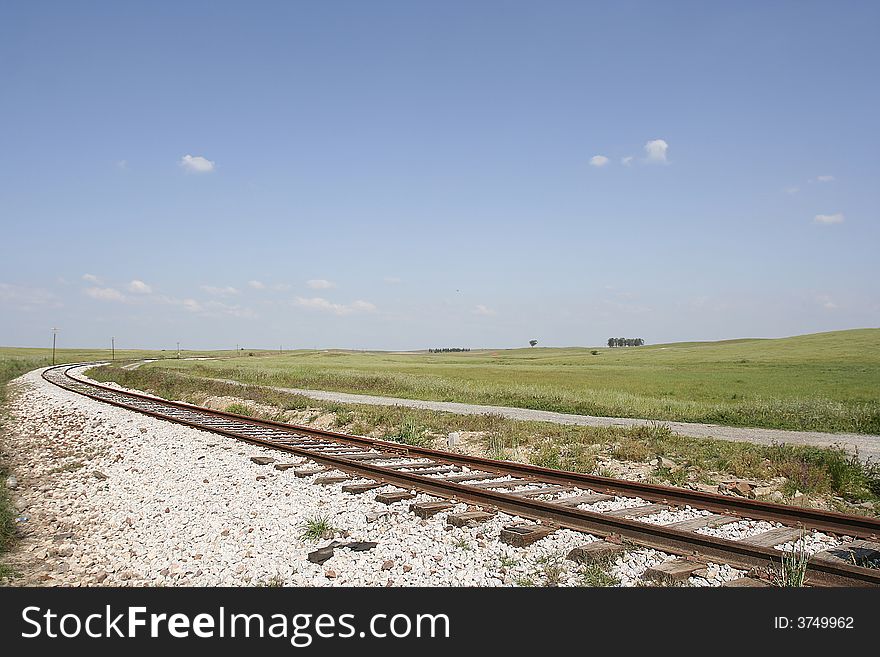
(821, 382)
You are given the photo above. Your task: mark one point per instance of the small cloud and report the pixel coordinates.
(91, 278)
(318, 303)
(598, 161)
(656, 150)
(26, 297)
(626, 161)
(391, 280)
(281, 287)
(483, 310)
(105, 294)
(214, 308)
(121, 164)
(139, 287)
(196, 164)
(219, 291)
(824, 178)
(320, 284)
(826, 302)
(836, 218)
(257, 285)
(792, 190)
(191, 305)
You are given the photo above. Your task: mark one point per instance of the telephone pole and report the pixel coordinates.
(112, 348)
(54, 333)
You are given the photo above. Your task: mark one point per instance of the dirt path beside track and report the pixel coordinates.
(867, 445)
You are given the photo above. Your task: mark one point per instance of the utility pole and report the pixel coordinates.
(54, 333)
(178, 351)
(112, 348)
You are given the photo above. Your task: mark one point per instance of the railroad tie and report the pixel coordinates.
(670, 572)
(428, 509)
(468, 518)
(330, 479)
(357, 489)
(773, 537)
(394, 496)
(524, 534)
(595, 552)
(858, 553)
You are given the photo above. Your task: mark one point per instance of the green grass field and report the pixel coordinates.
(821, 382)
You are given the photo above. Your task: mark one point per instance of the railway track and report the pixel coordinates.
(547, 498)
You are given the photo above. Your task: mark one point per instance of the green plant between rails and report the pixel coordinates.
(813, 470)
(793, 566)
(315, 528)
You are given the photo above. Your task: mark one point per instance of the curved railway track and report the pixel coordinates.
(553, 498)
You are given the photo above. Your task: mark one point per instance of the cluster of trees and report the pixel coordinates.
(625, 342)
(446, 350)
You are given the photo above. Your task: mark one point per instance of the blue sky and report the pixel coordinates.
(413, 174)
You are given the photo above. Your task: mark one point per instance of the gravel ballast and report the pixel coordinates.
(106, 496)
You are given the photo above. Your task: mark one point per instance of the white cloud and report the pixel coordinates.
(626, 161)
(91, 278)
(139, 287)
(391, 280)
(826, 302)
(364, 306)
(318, 303)
(825, 178)
(105, 294)
(656, 150)
(196, 164)
(792, 190)
(281, 287)
(598, 161)
(219, 291)
(121, 164)
(483, 310)
(320, 284)
(219, 308)
(836, 218)
(257, 285)
(26, 297)
(191, 305)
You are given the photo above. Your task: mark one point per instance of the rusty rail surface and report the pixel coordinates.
(352, 454)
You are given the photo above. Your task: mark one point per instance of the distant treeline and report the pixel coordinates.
(446, 350)
(625, 342)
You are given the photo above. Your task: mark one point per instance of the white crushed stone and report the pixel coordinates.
(740, 529)
(812, 543)
(716, 575)
(674, 515)
(616, 504)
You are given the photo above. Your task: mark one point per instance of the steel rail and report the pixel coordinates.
(650, 535)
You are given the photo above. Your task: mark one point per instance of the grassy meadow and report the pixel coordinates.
(821, 382)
